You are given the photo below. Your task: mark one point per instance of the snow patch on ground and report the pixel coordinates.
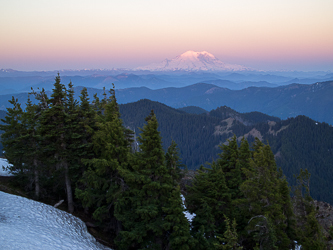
(188, 215)
(27, 224)
(3, 165)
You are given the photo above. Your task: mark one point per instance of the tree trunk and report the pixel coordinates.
(36, 173)
(68, 189)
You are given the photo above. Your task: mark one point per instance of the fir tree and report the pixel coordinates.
(270, 210)
(21, 144)
(229, 162)
(150, 208)
(33, 150)
(101, 183)
(13, 129)
(209, 199)
(230, 237)
(75, 136)
(54, 130)
(86, 127)
(173, 162)
(309, 231)
(234, 161)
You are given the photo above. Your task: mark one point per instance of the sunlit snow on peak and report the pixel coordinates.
(193, 61)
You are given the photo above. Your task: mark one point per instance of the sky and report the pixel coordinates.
(106, 34)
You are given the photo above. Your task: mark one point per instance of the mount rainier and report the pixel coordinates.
(193, 61)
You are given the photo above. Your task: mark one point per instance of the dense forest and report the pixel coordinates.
(131, 185)
(296, 142)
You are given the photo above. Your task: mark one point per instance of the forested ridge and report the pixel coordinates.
(296, 142)
(83, 152)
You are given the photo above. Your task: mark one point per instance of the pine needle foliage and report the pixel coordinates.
(150, 209)
(101, 183)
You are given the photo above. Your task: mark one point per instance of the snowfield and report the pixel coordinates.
(27, 224)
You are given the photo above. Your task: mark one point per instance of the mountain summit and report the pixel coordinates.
(193, 61)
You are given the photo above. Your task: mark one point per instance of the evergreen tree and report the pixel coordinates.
(209, 199)
(234, 161)
(150, 208)
(101, 183)
(87, 119)
(244, 156)
(173, 162)
(54, 131)
(271, 214)
(13, 129)
(21, 144)
(32, 152)
(75, 136)
(230, 239)
(309, 230)
(229, 162)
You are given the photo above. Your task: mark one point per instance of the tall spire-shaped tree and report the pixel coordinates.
(173, 162)
(151, 207)
(101, 182)
(11, 138)
(309, 231)
(265, 191)
(54, 131)
(32, 139)
(209, 199)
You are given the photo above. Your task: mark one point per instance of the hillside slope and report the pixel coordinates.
(297, 142)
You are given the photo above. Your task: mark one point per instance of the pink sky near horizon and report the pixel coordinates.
(72, 34)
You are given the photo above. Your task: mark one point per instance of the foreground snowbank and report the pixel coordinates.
(27, 224)
(4, 163)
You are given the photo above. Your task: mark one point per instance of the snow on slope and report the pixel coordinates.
(187, 214)
(27, 224)
(193, 61)
(3, 164)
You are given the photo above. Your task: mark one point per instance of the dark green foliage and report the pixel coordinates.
(246, 186)
(151, 208)
(269, 205)
(209, 199)
(230, 237)
(21, 145)
(56, 130)
(297, 142)
(306, 144)
(11, 138)
(235, 161)
(32, 153)
(134, 192)
(309, 230)
(173, 162)
(101, 183)
(191, 132)
(230, 165)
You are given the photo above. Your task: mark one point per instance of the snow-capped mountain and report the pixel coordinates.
(193, 61)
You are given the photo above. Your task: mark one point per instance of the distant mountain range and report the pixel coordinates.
(12, 81)
(314, 100)
(193, 61)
